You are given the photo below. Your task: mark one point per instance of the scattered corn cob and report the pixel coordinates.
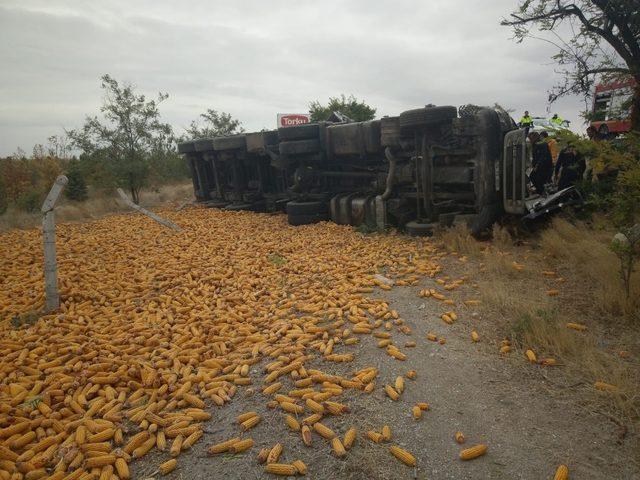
(283, 469)
(562, 473)
(459, 437)
(402, 455)
(349, 438)
(168, 466)
(473, 452)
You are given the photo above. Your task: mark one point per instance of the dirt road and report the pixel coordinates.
(493, 400)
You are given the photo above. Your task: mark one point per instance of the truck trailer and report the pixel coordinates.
(428, 167)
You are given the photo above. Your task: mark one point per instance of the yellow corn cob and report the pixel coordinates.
(402, 455)
(306, 435)
(100, 461)
(605, 387)
(122, 469)
(349, 438)
(374, 436)
(274, 453)
(323, 430)
(473, 452)
(530, 356)
(311, 419)
(273, 388)
(246, 416)
(301, 468)
(168, 466)
(292, 423)
(562, 473)
(135, 441)
(176, 446)
(191, 439)
(338, 447)
(459, 437)
(391, 392)
(6, 454)
(386, 433)
(474, 336)
(241, 445)
(143, 449)
(417, 412)
(399, 384)
(314, 406)
(250, 423)
(223, 446)
(263, 455)
(292, 407)
(284, 469)
(576, 326)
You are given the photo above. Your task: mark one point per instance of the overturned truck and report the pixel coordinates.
(427, 167)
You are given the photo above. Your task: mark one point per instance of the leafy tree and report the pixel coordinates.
(76, 189)
(614, 183)
(350, 106)
(605, 40)
(214, 124)
(128, 137)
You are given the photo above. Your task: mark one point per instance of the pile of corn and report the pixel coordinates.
(156, 327)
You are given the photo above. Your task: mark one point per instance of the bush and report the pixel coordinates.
(4, 200)
(77, 187)
(614, 184)
(30, 201)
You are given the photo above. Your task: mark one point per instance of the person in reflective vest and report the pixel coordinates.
(556, 120)
(526, 122)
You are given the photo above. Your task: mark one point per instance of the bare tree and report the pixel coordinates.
(603, 40)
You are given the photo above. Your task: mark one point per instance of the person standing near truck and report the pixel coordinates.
(569, 168)
(556, 120)
(526, 122)
(553, 145)
(541, 163)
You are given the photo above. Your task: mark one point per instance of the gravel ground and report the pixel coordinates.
(469, 388)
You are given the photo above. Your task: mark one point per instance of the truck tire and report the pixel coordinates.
(235, 142)
(299, 132)
(299, 147)
(424, 117)
(306, 219)
(487, 216)
(419, 229)
(239, 206)
(306, 208)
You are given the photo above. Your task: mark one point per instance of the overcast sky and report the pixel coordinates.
(258, 58)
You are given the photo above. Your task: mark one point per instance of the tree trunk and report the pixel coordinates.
(135, 195)
(635, 106)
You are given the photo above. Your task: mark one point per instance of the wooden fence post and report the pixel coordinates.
(49, 242)
(144, 211)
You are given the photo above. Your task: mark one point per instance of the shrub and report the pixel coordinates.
(4, 201)
(76, 188)
(29, 201)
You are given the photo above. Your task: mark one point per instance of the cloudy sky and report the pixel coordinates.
(256, 58)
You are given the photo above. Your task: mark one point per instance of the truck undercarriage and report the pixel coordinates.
(426, 167)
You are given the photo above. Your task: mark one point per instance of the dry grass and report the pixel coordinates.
(98, 205)
(586, 251)
(514, 290)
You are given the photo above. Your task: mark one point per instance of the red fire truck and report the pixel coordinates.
(612, 108)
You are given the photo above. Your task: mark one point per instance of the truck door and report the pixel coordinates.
(514, 175)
